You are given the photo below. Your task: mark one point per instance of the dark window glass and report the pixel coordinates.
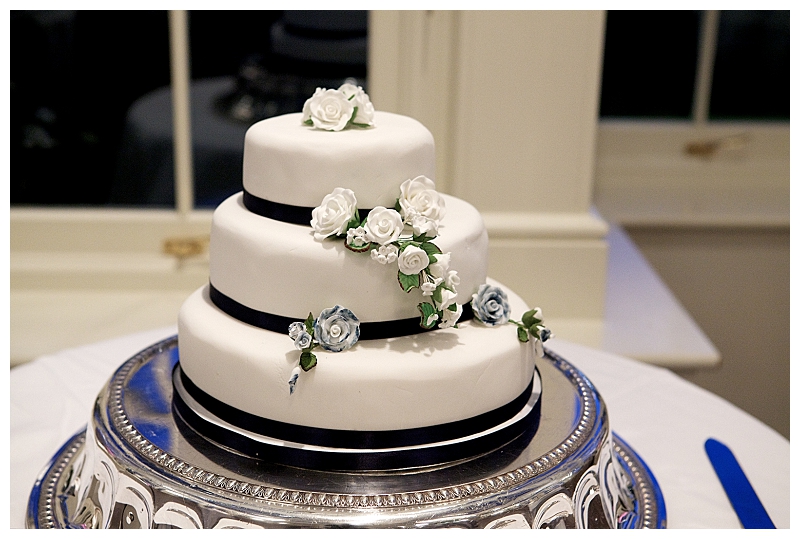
(91, 106)
(751, 69)
(73, 76)
(248, 66)
(649, 64)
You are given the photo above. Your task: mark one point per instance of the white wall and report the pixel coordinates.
(735, 283)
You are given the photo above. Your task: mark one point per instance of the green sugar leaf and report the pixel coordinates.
(426, 310)
(408, 282)
(522, 334)
(310, 324)
(307, 361)
(437, 294)
(529, 320)
(362, 249)
(398, 208)
(431, 249)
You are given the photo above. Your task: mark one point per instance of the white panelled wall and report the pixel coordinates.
(511, 99)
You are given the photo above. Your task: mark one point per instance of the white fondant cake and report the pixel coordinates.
(295, 267)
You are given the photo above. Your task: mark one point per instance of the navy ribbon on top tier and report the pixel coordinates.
(296, 215)
(280, 324)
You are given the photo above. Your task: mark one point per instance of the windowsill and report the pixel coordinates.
(643, 207)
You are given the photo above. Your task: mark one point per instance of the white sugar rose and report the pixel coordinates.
(365, 114)
(419, 197)
(412, 260)
(328, 109)
(332, 216)
(424, 226)
(383, 225)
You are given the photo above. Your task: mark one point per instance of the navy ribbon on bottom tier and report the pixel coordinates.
(331, 449)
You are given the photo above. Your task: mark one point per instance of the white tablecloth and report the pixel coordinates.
(665, 419)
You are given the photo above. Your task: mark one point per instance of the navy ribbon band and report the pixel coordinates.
(296, 215)
(280, 324)
(366, 450)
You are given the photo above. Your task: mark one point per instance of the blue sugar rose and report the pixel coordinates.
(336, 329)
(490, 305)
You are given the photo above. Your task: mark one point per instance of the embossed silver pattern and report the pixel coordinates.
(171, 477)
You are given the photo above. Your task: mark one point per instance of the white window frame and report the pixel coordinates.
(694, 172)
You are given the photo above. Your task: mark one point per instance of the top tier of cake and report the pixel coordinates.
(291, 163)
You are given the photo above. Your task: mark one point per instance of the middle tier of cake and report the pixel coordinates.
(268, 266)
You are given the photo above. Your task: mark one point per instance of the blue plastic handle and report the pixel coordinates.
(740, 492)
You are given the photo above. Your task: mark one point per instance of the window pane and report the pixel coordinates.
(74, 75)
(247, 66)
(751, 69)
(649, 64)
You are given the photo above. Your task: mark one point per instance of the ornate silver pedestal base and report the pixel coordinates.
(137, 466)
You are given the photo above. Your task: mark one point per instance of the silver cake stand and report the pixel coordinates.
(138, 466)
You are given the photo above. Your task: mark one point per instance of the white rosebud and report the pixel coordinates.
(303, 340)
(449, 318)
(452, 280)
(440, 267)
(412, 260)
(295, 328)
(328, 109)
(293, 379)
(383, 225)
(332, 216)
(448, 298)
(419, 197)
(356, 95)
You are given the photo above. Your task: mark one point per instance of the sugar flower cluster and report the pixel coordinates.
(333, 110)
(403, 235)
(335, 330)
(490, 307)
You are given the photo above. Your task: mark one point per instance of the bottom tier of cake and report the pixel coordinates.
(138, 465)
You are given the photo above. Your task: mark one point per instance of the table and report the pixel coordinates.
(665, 419)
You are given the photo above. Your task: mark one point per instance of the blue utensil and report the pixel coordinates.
(740, 492)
